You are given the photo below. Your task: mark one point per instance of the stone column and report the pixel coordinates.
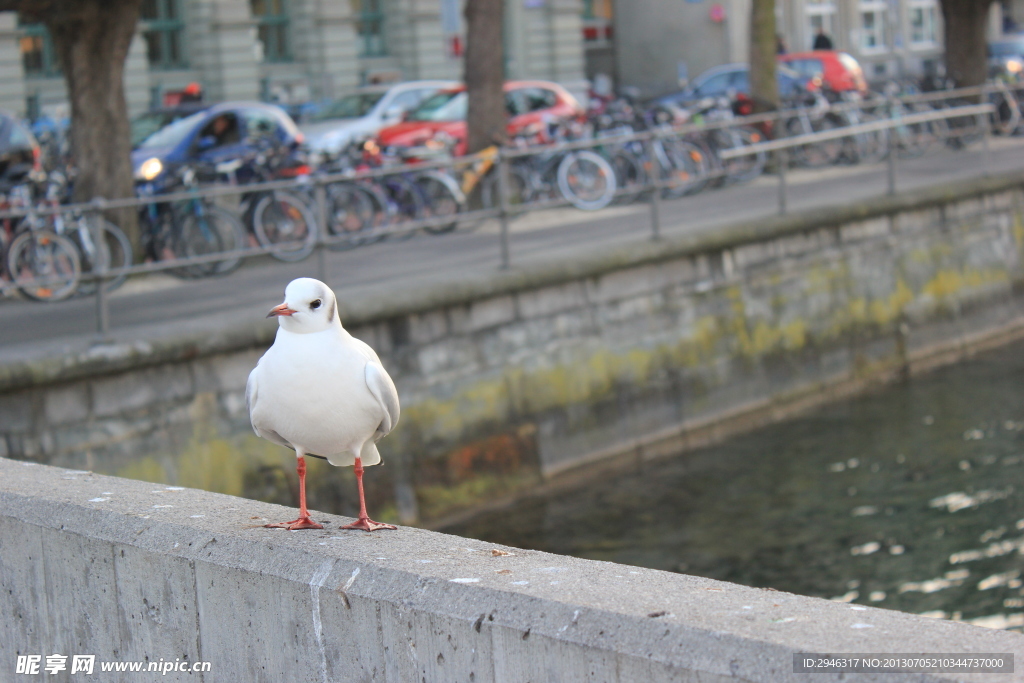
(416, 40)
(565, 28)
(225, 49)
(325, 41)
(12, 76)
(737, 26)
(136, 77)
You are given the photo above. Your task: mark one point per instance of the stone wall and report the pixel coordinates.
(111, 567)
(639, 352)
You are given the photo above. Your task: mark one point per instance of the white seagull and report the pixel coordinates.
(320, 391)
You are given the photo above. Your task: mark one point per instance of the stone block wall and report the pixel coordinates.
(640, 352)
(106, 566)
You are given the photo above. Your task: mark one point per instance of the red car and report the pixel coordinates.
(527, 102)
(837, 70)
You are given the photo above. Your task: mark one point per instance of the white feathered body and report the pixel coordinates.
(324, 393)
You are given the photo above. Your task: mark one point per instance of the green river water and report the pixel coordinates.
(908, 498)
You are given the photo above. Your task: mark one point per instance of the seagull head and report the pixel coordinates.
(309, 306)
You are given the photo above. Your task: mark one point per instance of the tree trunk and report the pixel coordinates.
(91, 38)
(764, 89)
(966, 56)
(486, 117)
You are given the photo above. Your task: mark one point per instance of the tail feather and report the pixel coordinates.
(369, 454)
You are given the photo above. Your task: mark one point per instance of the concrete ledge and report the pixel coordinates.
(593, 263)
(129, 570)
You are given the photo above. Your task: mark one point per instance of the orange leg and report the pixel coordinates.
(364, 522)
(303, 522)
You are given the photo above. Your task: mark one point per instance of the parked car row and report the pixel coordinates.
(399, 115)
(412, 114)
(798, 74)
(330, 128)
(212, 135)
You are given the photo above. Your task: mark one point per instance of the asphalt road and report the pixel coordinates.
(159, 306)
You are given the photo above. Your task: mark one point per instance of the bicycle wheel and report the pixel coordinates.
(350, 209)
(870, 148)
(1006, 117)
(962, 131)
(352, 212)
(406, 203)
(745, 168)
(518, 188)
(911, 140)
(197, 234)
(815, 154)
(3, 259)
(113, 251)
(684, 164)
(630, 177)
(442, 198)
(384, 211)
(233, 237)
(282, 219)
(44, 265)
(586, 180)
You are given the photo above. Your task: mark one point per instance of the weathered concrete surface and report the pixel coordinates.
(643, 350)
(132, 571)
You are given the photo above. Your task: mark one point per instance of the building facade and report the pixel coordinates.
(656, 45)
(890, 38)
(295, 50)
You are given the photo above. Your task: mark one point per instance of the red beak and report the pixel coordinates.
(280, 309)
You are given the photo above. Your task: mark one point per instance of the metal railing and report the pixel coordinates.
(503, 211)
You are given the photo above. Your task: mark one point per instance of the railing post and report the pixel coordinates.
(320, 195)
(655, 189)
(986, 146)
(782, 160)
(101, 268)
(502, 169)
(891, 159)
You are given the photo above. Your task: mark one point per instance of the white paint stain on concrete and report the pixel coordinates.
(351, 579)
(315, 584)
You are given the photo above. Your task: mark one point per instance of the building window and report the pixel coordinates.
(370, 26)
(872, 27)
(272, 24)
(820, 16)
(922, 24)
(597, 22)
(38, 57)
(162, 29)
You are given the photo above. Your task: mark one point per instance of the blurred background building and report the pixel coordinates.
(294, 50)
(656, 45)
(297, 50)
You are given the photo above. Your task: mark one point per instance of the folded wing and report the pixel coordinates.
(383, 389)
(251, 397)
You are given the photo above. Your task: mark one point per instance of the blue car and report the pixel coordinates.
(219, 133)
(732, 79)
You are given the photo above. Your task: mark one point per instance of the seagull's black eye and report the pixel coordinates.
(316, 304)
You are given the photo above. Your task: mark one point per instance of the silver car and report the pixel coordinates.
(362, 113)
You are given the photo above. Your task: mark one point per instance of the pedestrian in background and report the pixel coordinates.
(822, 41)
